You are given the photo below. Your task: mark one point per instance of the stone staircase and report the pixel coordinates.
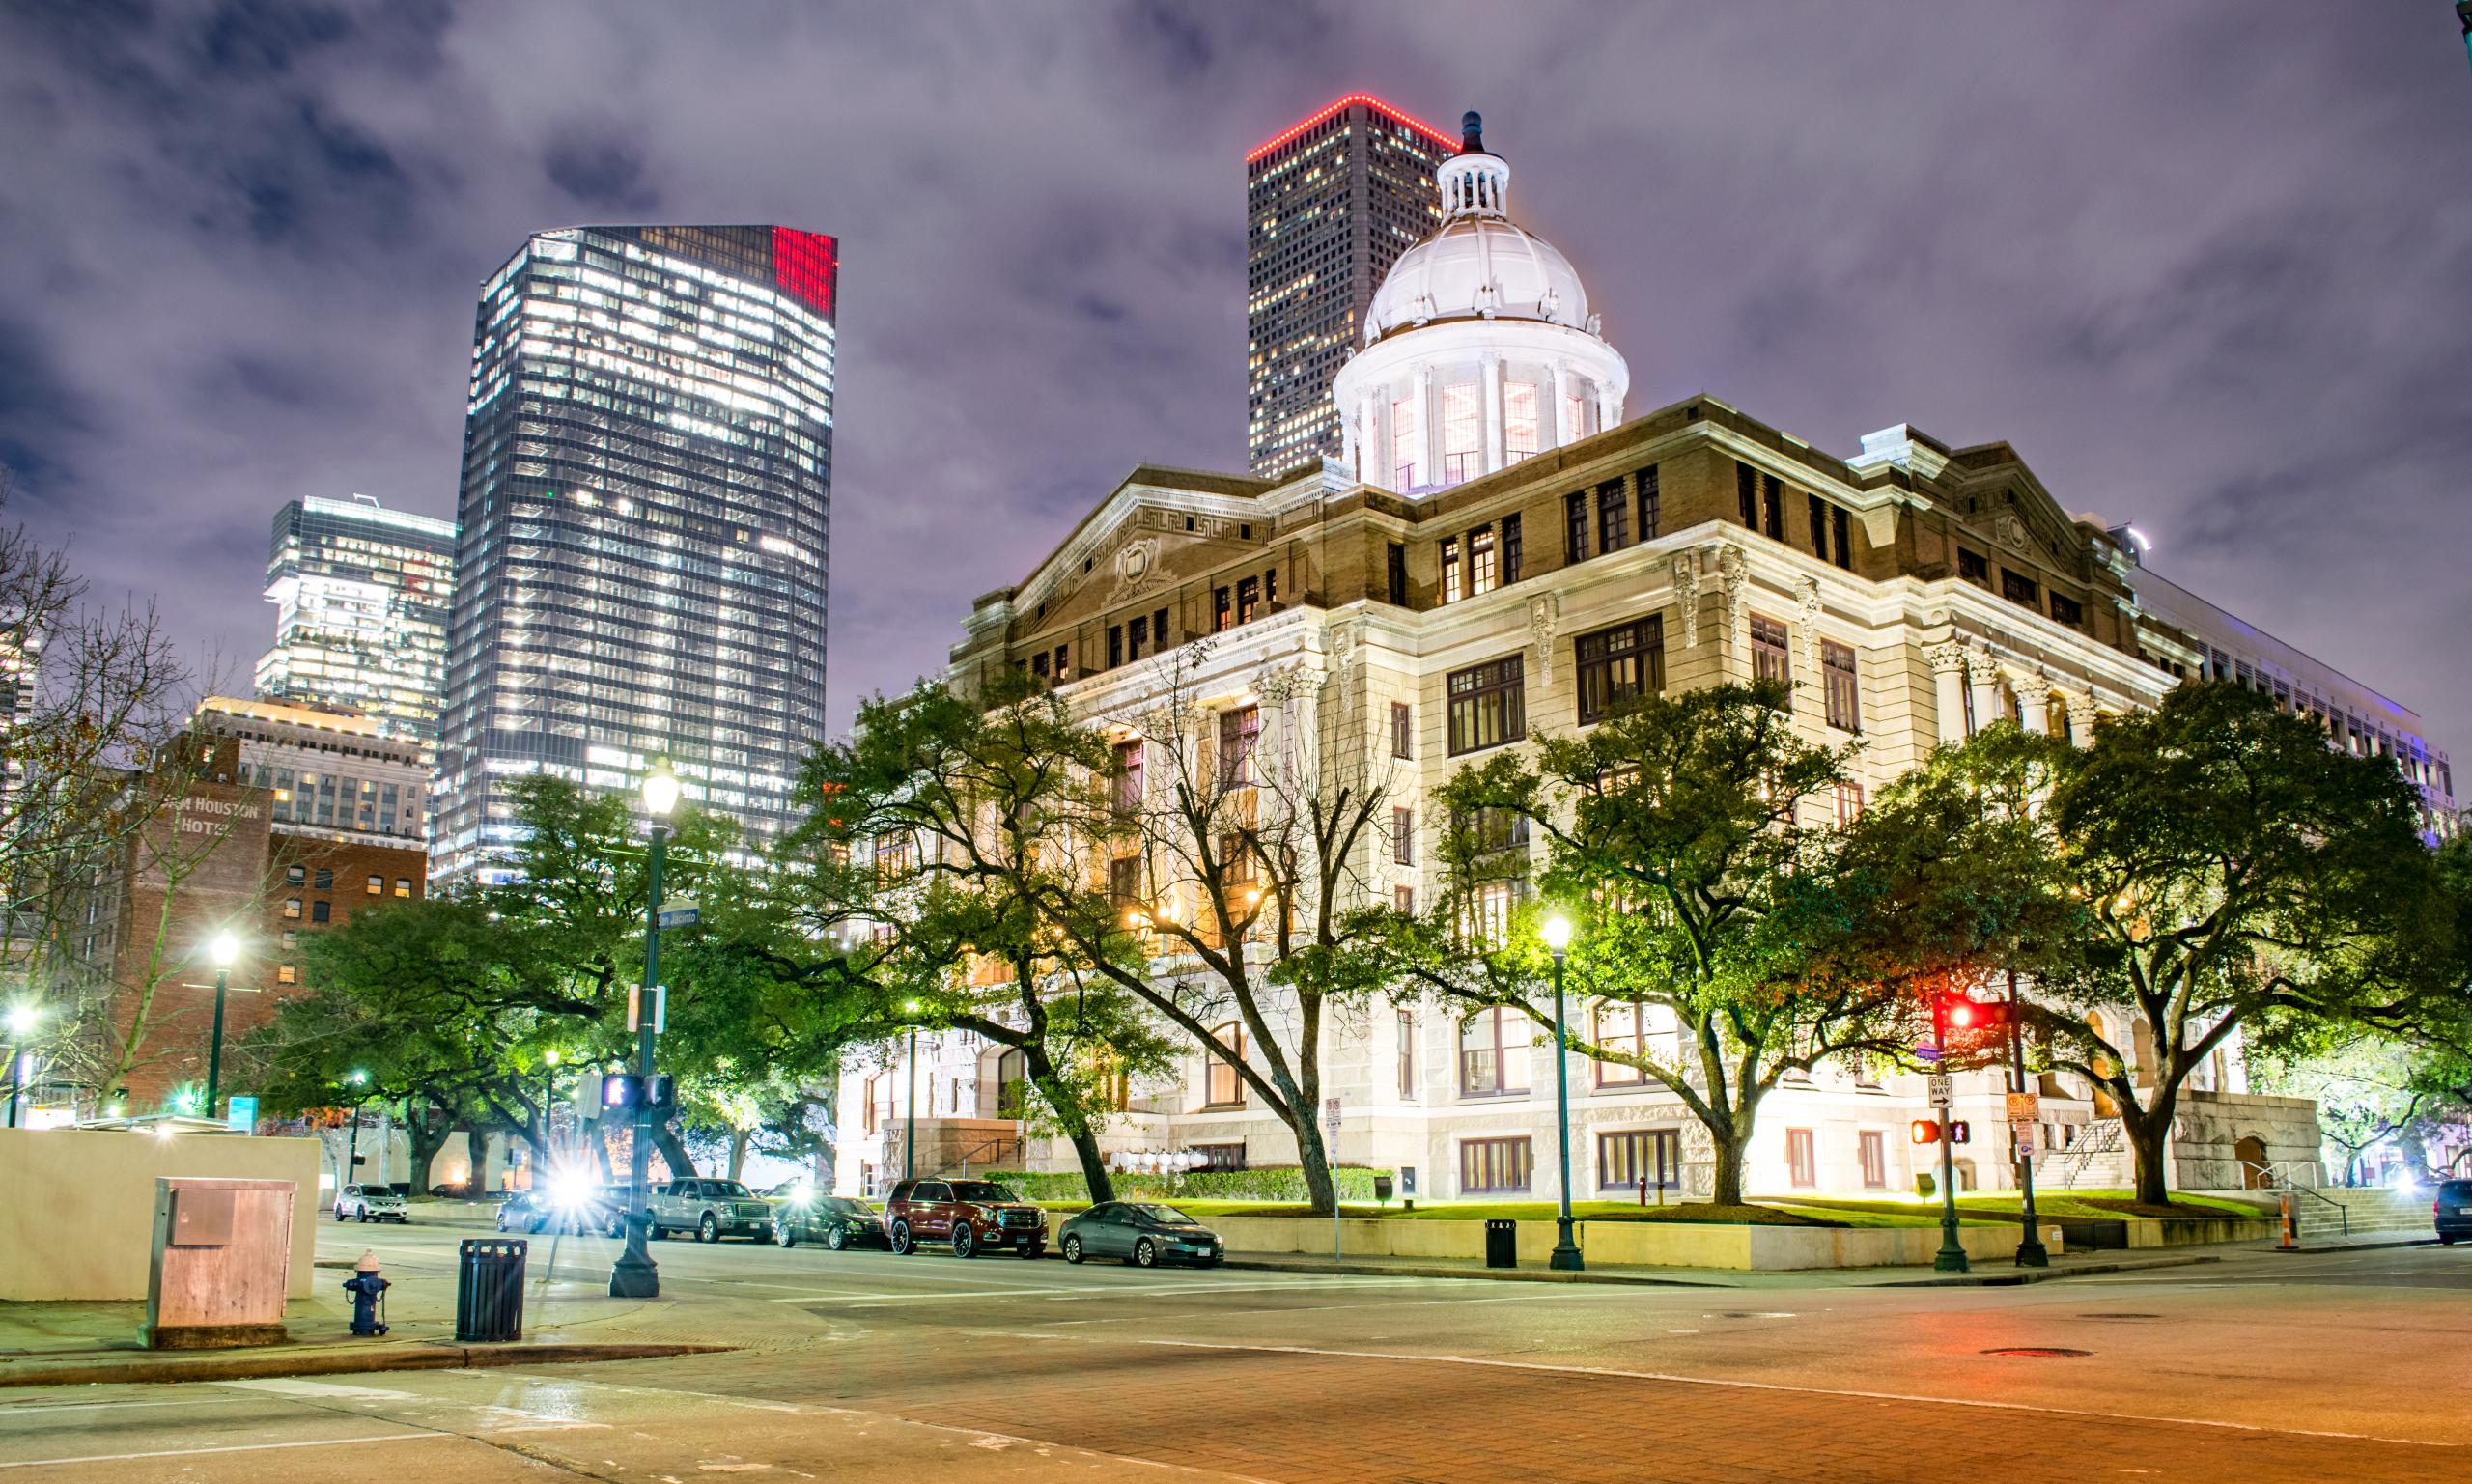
(2099, 1161)
(2334, 1215)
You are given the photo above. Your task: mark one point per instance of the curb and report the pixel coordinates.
(338, 1360)
(1482, 1274)
(2375, 1245)
(2021, 1276)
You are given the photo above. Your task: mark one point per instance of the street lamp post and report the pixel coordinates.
(22, 1024)
(549, 1104)
(2030, 1251)
(351, 1145)
(1567, 1259)
(910, 1118)
(635, 1275)
(1952, 1256)
(225, 949)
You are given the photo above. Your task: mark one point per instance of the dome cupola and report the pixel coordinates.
(1479, 348)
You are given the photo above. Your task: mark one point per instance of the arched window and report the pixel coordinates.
(1012, 1085)
(879, 1093)
(1226, 1088)
(1493, 1053)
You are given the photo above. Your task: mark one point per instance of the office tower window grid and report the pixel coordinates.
(1330, 204)
(644, 516)
(361, 597)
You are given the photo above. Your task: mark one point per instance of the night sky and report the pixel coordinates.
(2208, 266)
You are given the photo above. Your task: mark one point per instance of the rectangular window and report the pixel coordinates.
(1452, 592)
(1129, 757)
(1482, 566)
(2017, 587)
(1651, 504)
(403, 885)
(1403, 837)
(1407, 1056)
(1613, 518)
(1818, 509)
(1238, 730)
(1769, 659)
(1801, 1167)
(285, 973)
(896, 857)
(1618, 665)
(1226, 1086)
(320, 909)
(1223, 614)
(1747, 493)
(1137, 634)
(1398, 574)
(1520, 425)
(1510, 549)
(1849, 803)
(1772, 504)
(1159, 630)
(1633, 1157)
(1876, 1159)
(1038, 664)
(295, 876)
(1492, 1165)
(1248, 598)
(1063, 658)
(1622, 1028)
(326, 881)
(377, 886)
(1487, 830)
(2067, 610)
(1841, 527)
(1116, 645)
(1228, 1156)
(1403, 901)
(1463, 433)
(1403, 730)
(291, 907)
(1487, 705)
(1973, 567)
(1270, 589)
(1124, 880)
(1407, 443)
(1844, 689)
(1575, 527)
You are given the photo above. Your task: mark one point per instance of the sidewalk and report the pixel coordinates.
(1984, 1275)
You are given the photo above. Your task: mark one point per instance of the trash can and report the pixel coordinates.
(489, 1290)
(1501, 1243)
(1382, 1187)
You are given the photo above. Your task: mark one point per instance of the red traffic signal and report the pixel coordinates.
(1957, 1013)
(1927, 1130)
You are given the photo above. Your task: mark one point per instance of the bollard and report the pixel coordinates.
(368, 1296)
(2290, 1241)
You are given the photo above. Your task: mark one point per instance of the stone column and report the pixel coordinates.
(1948, 687)
(1983, 681)
(2081, 719)
(2033, 695)
(1493, 395)
(1429, 425)
(1562, 429)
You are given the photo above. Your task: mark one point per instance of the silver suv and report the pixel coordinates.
(370, 1203)
(710, 1208)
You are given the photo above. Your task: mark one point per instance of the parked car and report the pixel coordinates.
(370, 1203)
(2453, 1211)
(584, 1209)
(1142, 1233)
(969, 1214)
(837, 1221)
(710, 1208)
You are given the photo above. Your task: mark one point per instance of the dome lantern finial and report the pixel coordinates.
(1472, 132)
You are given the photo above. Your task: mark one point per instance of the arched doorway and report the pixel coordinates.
(1012, 1083)
(2251, 1151)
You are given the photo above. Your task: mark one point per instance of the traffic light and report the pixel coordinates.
(665, 1093)
(1956, 1014)
(621, 1089)
(1927, 1130)
(1959, 1133)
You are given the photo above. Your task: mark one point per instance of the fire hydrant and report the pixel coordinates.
(368, 1296)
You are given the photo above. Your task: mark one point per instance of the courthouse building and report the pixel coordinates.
(1503, 553)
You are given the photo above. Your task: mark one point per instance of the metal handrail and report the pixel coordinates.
(2344, 1212)
(2103, 1137)
(999, 1144)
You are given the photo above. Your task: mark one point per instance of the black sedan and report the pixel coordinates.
(2452, 1210)
(837, 1221)
(1142, 1233)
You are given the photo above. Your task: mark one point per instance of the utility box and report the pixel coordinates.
(222, 1262)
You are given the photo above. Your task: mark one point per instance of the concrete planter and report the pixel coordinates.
(1632, 1244)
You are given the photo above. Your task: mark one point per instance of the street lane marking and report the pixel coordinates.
(14, 1411)
(237, 1447)
(318, 1388)
(1779, 1387)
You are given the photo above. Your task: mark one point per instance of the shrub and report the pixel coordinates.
(1272, 1182)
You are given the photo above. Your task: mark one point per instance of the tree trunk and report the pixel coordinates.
(425, 1133)
(672, 1153)
(738, 1139)
(1085, 1140)
(476, 1151)
(1728, 1147)
(2147, 1136)
(1321, 1189)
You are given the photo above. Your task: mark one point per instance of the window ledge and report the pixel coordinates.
(1493, 1097)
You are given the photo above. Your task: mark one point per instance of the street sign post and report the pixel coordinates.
(1331, 1162)
(679, 912)
(2025, 1107)
(1941, 1095)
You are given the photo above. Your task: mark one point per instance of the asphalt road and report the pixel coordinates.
(865, 1367)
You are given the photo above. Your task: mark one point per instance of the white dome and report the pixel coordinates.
(1478, 267)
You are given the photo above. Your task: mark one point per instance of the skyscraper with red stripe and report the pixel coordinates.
(1330, 203)
(646, 489)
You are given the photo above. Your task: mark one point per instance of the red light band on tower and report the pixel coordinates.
(1370, 101)
(805, 263)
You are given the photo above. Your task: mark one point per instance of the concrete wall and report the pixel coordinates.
(79, 1220)
(2212, 1125)
(1631, 1244)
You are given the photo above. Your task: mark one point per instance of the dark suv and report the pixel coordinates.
(973, 1214)
(2452, 1210)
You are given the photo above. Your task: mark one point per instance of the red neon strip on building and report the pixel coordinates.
(806, 263)
(1367, 98)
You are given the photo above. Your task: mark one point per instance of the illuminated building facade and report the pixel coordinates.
(647, 471)
(361, 596)
(1330, 203)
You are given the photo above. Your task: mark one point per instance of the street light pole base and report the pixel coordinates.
(2032, 1253)
(635, 1277)
(1952, 1260)
(1566, 1252)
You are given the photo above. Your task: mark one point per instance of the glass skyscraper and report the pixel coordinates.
(1330, 203)
(361, 596)
(647, 470)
